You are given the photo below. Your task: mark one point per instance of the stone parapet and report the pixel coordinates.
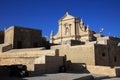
(104, 70)
(32, 53)
(5, 47)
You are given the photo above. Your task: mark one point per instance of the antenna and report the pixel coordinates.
(109, 33)
(118, 44)
(101, 30)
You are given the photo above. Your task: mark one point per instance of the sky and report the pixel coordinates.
(44, 14)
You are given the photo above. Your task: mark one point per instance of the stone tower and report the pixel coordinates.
(70, 28)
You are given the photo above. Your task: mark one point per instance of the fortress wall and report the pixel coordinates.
(26, 38)
(82, 54)
(29, 62)
(28, 58)
(43, 64)
(29, 53)
(53, 63)
(39, 60)
(114, 54)
(61, 49)
(107, 55)
(77, 54)
(102, 55)
(104, 70)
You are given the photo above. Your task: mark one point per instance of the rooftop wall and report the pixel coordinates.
(21, 37)
(108, 40)
(27, 38)
(107, 55)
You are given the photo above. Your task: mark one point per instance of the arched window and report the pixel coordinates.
(66, 31)
(67, 28)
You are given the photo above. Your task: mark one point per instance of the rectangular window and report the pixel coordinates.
(103, 54)
(115, 59)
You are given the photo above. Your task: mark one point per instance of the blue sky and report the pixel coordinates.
(44, 14)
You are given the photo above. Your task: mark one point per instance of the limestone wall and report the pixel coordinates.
(114, 54)
(35, 59)
(28, 58)
(107, 55)
(21, 37)
(29, 62)
(9, 35)
(101, 55)
(103, 70)
(6, 47)
(26, 37)
(27, 53)
(108, 40)
(82, 54)
(51, 65)
(77, 54)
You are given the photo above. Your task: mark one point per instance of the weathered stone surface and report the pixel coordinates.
(77, 43)
(21, 37)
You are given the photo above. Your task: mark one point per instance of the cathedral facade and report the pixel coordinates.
(71, 28)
